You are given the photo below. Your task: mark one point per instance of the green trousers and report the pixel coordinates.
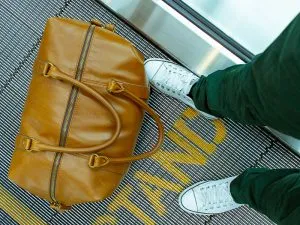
(265, 92)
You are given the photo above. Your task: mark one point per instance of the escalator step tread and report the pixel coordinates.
(226, 148)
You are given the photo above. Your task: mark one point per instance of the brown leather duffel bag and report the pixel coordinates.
(82, 116)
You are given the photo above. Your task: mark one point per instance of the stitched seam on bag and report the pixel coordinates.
(35, 103)
(134, 51)
(69, 94)
(88, 81)
(22, 149)
(97, 83)
(75, 109)
(74, 74)
(66, 140)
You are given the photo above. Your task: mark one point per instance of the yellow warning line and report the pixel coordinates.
(155, 187)
(208, 147)
(17, 210)
(106, 220)
(190, 113)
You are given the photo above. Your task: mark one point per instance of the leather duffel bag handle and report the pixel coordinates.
(96, 160)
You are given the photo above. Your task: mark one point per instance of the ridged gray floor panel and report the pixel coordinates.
(225, 148)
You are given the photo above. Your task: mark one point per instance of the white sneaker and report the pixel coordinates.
(208, 197)
(173, 80)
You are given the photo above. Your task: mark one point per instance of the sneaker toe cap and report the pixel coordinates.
(152, 67)
(188, 201)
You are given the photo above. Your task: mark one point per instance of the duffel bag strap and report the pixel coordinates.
(117, 88)
(33, 145)
(97, 160)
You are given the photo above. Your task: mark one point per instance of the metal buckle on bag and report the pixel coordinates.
(115, 87)
(27, 143)
(47, 68)
(59, 207)
(98, 161)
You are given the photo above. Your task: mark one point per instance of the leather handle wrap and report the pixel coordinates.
(97, 160)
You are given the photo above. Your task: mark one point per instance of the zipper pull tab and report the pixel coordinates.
(59, 207)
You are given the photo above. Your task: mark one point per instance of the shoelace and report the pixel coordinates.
(181, 79)
(213, 196)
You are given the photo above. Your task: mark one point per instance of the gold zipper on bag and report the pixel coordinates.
(68, 115)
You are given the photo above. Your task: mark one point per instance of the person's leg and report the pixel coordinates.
(173, 80)
(265, 91)
(275, 193)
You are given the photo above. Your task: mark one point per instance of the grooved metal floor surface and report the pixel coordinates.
(148, 194)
